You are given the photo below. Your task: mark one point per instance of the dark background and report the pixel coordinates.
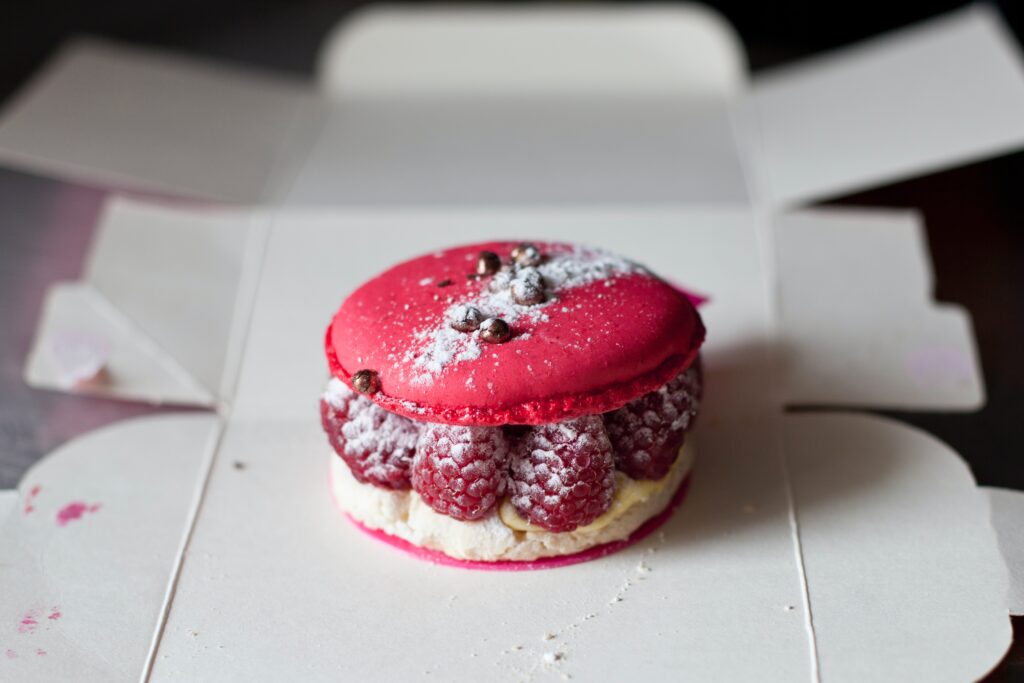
(973, 214)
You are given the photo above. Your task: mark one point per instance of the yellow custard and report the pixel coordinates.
(628, 492)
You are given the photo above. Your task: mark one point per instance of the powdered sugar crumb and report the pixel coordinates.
(439, 345)
(553, 660)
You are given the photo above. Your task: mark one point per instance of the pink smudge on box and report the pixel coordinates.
(55, 614)
(29, 622)
(75, 511)
(11, 654)
(40, 652)
(32, 493)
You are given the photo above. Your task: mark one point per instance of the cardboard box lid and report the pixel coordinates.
(891, 107)
(790, 511)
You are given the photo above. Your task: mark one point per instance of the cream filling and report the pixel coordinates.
(503, 535)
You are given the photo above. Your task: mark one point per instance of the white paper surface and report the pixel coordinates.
(858, 325)
(140, 119)
(915, 101)
(523, 151)
(8, 503)
(1008, 520)
(87, 553)
(887, 515)
(548, 49)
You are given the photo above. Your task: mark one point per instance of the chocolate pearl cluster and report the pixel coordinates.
(525, 284)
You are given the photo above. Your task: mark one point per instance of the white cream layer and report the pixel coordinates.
(405, 515)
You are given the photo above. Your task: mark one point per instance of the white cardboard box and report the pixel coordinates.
(829, 546)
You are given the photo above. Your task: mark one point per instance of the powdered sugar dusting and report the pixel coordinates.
(461, 471)
(563, 474)
(648, 431)
(380, 441)
(439, 345)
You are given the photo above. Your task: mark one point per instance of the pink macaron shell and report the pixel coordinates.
(596, 347)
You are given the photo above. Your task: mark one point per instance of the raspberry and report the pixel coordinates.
(648, 433)
(376, 445)
(461, 472)
(563, 474)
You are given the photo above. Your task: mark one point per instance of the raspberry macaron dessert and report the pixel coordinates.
(509, 402)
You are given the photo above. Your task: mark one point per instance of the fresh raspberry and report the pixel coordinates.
(376, 445)
(648, 433)
(459, 471)
(563, 474)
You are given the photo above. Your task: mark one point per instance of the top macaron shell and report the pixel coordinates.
(605, 335)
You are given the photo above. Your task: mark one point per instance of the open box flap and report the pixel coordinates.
(858, 326)
(167, 294)
(906, 510)
(136, 118)
(89, 550)
(84, 344)
(912, 102)
(542, 49)
(1008, 520)
(915, 101)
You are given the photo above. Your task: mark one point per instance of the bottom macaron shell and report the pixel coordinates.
(596, 552)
